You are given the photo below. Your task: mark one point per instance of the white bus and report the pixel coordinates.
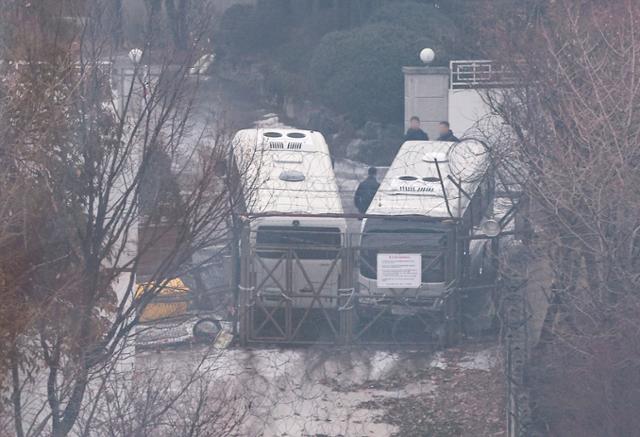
(290, 184)
(435, 203)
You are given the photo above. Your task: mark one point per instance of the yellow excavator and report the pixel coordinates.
(172, 300)
(169, 319)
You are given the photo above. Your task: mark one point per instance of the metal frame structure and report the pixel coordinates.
(478, 74)
(359, 318)
(269, 293)
(266, 317)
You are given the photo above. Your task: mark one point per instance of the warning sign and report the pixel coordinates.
(399, 270)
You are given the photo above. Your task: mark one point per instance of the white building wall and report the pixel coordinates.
(470, 115)
(426, 96)
(466, 108)
(429, 96)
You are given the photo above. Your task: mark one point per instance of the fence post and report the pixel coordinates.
(243, 288)
(346, 292)
(516, 324)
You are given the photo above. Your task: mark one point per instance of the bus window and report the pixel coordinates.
(435, 270)
(488, 193)
(306, 242)
(482, 201)
(431, 244)
(220, 167)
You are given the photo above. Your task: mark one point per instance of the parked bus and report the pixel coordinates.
(290, 183)
(427, 245)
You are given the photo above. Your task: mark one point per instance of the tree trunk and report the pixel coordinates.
(16, 397)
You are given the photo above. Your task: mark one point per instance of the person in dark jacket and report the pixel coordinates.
(414, 133)
(445, 132)
(366, 191)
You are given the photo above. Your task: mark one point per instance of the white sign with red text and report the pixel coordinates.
(399, 270)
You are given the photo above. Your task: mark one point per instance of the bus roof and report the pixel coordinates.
(287, 171)
(412, 185)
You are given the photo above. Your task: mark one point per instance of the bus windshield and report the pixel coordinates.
(306, 242)
(429, 240)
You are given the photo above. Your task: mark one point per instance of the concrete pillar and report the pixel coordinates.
(426, 95)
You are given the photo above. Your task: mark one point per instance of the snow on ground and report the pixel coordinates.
(353, 391)
(485, 359)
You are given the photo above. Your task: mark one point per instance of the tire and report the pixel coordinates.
(206, 329)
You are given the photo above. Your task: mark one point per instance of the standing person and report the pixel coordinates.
(366, 191)
(446, 134)
(414, 133)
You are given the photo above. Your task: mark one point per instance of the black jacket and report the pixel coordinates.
(416, 135)
(449, 136)
(365, 193)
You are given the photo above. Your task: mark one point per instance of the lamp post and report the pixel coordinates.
(135, 55)
(427, 56)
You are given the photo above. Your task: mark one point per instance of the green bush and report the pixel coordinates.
(248, 29)
(425, 21)
(359, 72)
(294, 55)
(235, 26)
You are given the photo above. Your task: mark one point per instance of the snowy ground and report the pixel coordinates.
(335, 392)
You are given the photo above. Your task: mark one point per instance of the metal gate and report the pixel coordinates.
(286, 298)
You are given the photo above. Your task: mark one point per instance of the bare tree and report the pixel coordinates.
(573, 112)
(78, 162)
(155, 402)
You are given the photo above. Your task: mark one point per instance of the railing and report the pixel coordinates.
(479, 74)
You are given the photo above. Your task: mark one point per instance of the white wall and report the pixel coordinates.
(470, 116)
(465, 109)
(425, 96)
